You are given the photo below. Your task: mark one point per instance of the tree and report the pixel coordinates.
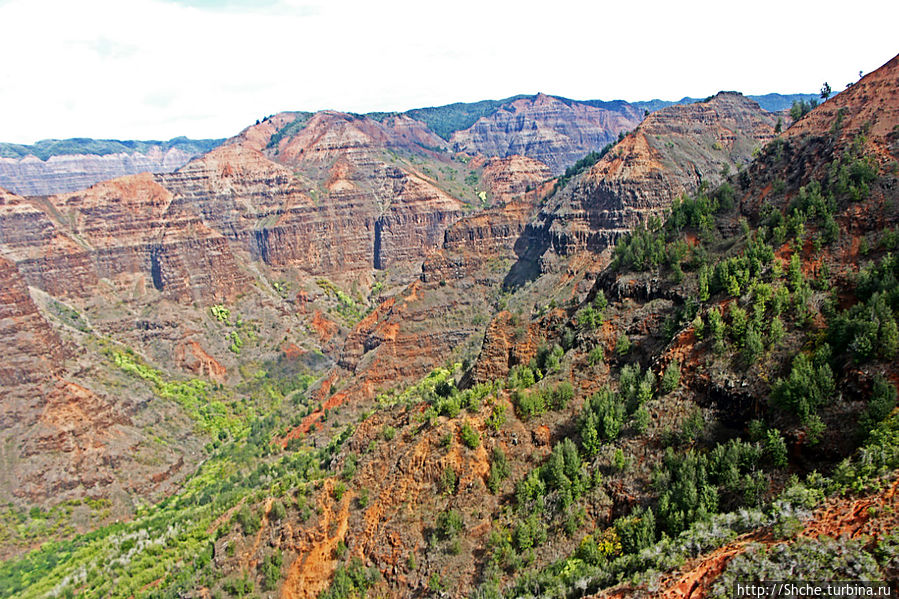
(825, 91)
(623, 345)
(671, 377)
(808, 386)
(470, 437)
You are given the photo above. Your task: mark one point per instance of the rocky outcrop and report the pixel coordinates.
(871, 106)
(132, 226)
(674, 151)
(552, 130)
(512, 177)
(43, 253)
(444, 313)
(321, 200)
(32, 351)
(506, 343)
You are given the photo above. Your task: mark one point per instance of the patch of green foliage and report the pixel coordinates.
(195, 396)
(580, 166)
(445, 120)
(289, 130)
(351, 581)
(801, 107)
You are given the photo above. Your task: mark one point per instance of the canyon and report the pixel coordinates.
(341, 353)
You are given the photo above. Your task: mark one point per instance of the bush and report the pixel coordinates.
(529, 404)
(248, 519)
(671, 377)
(623, 345)
(596, 355)
(636, 531)
(806, 388)
(449, 523)
(686, 493)
(521, 377)
(529, 533)
(278, 511)
(499, 470)
(881, 403)
(776, 448)
(601, 420)
(351, 581)
(448, 481)
(470, 437)
(271, 570)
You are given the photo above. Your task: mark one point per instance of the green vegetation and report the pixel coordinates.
(801, 108)
(808, 386)
(346, 307)
(444, 120)
(221, 313)
(530, 403)
(671, 377)
(351, 581)
(580, 166)
(290, 129)
(499, 470)
(470, 437)
(195, 396)
(70, 316)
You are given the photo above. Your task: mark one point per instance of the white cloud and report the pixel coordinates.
(160, 68)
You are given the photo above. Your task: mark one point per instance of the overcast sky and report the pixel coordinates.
(155, 69)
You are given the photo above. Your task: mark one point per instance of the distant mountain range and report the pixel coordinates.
(63, 165)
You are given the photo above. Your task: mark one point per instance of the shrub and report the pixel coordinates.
(623, 345)
(351, 581)
(497, 415)
(776, 448)
(601, 420)
(806, 388)
(448, 480)
(248, 519)
(671, 377)
(636, 531)
(686, 493)
(277, 511)
(521, 377)
(529, 404)
(271, 570)
(470, 437)
(596, 355)
(499, 470)
(338, 491)
(881, 403)
(449, 523)
(642, 419)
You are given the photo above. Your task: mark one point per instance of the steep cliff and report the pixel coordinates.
(60, 166)
(674, 151)
(552, 130)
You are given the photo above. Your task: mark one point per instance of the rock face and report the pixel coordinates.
(61, 439)
(552, 130)
(512, 177)
(444, 313)
(323, 200)
(140, 258)
(32, 350)
(131, 225)
(871, 104)
(674, 151)
(29, 175)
